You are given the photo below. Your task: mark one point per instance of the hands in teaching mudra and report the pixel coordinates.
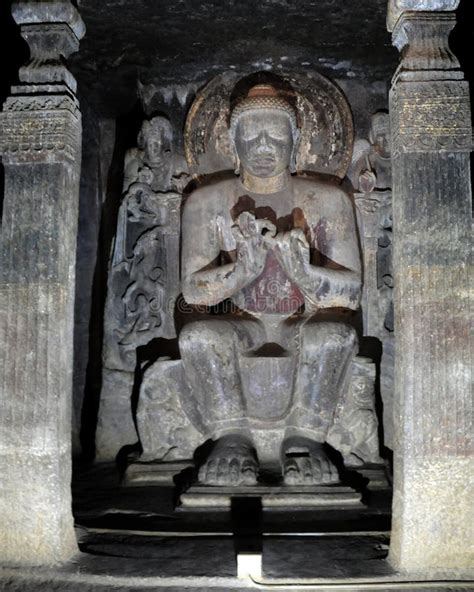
(255, 238)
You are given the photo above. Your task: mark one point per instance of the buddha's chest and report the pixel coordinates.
(282, 210)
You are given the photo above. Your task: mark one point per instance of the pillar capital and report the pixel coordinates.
(396, 8)
(52, 29)
(40, 122)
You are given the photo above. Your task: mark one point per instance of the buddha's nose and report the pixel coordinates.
(263, 145)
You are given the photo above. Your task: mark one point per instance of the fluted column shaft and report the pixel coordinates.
(40, 143)
(432, 139)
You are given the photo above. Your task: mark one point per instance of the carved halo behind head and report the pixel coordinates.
(323, 117)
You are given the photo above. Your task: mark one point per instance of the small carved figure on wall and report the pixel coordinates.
(371, 167)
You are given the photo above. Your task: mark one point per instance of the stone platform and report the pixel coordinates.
(202, 497)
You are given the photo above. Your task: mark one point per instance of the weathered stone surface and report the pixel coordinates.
(268, 272)
(425, 55)
(97, 146)
(115, 427)
(31, 12)
(36, 315)
(355, 429)
(165, 430)
(171, 427)
(200, 497)
(433, 317)
(325, 121)
(52, 30)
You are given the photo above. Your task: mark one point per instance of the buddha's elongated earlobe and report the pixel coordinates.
(236, 158)
(236, 165)
(294, 152)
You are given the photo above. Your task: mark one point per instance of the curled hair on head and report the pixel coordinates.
(158, 122)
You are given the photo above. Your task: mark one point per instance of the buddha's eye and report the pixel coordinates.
(249, 136)
(278, 137)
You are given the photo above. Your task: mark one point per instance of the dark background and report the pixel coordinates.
(98, 54)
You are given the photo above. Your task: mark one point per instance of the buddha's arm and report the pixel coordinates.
(204, 280)
(328, 288)
(212, 285)
(338, 282)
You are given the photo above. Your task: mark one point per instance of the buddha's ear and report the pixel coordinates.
(234, 150)
(236, 164)
(294, 152)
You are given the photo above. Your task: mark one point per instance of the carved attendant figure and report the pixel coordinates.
(143, 280)
(371, 168)
(283, 250)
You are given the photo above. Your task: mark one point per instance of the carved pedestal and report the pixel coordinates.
(431, 129)
(40, 131)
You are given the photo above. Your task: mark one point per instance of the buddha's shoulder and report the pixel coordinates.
(318, 184)
(217, 192)
(320, 190)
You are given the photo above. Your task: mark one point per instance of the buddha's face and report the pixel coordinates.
(264, 142)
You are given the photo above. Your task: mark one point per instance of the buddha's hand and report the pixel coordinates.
(292, 251)
(252, 244)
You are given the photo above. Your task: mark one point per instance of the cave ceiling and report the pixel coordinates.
(178, 43)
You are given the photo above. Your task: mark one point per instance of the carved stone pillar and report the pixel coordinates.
(40, 143)
(432, 139)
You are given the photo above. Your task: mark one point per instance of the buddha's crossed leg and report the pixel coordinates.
(209, 349)
(325, 351)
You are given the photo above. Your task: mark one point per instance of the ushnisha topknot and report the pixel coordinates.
(263, 96)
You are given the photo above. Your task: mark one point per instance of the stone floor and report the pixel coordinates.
(133, 538)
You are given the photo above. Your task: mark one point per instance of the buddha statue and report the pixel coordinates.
(270, 262)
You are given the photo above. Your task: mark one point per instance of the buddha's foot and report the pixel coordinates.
(232, 461)
(305, 462)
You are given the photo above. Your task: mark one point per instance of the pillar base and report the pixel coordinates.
(435, 512)
(37, 527)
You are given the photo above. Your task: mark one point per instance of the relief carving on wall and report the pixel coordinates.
(144, 269)
(371, 176)
(143, 279)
